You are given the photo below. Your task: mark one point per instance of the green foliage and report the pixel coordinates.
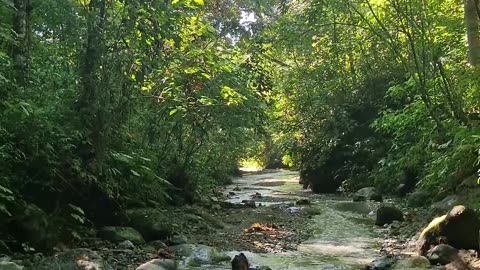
(6, 196)
(147, 102)
(375, 92)
(156, 102)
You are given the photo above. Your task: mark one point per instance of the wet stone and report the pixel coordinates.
(303, 202)
(383, 263)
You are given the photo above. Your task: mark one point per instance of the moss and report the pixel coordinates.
(432, 226)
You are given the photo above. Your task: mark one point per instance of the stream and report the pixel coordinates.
(343, 238)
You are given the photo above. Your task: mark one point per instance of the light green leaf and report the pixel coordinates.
(76, 209)
(135, 173)
(199, 2)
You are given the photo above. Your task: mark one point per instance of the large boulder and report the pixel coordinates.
(30, 225)
(367, 193)
(120, 234)
(386, 214)
(75, 259)
(458, 228)
(446, 203)
(176, 240)
(418, 198)
(158, 264)
(153, 224)
(206, 255)
(442, 254)
(468, 183)
(240, 262)
(412, 263)
(321, 180)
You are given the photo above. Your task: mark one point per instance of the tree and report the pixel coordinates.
(22, 30)
(472, 23)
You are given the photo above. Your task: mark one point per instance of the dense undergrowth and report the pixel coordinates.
(378, 93)
(109, 105)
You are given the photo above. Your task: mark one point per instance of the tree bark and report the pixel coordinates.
(21, 49)
(89, 103)
(472, 22)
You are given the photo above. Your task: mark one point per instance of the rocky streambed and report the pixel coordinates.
(268, 217)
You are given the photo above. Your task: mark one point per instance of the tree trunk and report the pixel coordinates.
(21, 26)
(89, 103)
(472, 22)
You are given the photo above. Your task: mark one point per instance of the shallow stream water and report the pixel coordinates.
(343, 238)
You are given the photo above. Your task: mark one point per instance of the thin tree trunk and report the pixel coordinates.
(472, 22)
(21, 49)
(89, 103)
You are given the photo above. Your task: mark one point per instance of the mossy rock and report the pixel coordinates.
(418, 199)
(458, 228)
(386, 214)
(120, 234)
(152, 224)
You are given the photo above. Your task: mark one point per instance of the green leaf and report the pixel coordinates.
(5, 190)
(76, 209)
(4, 210)
(199, 2)
(135, 173)
(78, 218)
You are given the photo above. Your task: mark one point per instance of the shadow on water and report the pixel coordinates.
(343, 236)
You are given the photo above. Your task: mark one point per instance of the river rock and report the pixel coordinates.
(418, 198)
(30, 225)
(442, 254)
(152, 224)
(357, 198)
(400, 190)
(158, 244)
(240, 262)
(183, 250)
(367, 193)
(293, 210)
(206, 255)
(158, 264)
(6, 265)
(376, 197)
(386, 214)
(412, 263)
(458, 228)
(303, 202)
(127, 244)
(383, 263)
(249, 203)
(120, 234)
(176, 240)
(75, 259)
(447, 203)
(321, 180)
(469, 183)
